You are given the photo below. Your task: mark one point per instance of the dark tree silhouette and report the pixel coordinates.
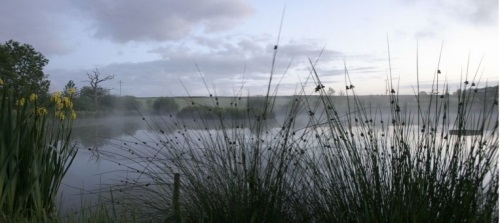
(21, 67)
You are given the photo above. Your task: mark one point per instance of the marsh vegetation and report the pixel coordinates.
(318, 158)
(321, 159)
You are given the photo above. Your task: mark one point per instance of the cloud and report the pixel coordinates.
(225, 66)
(161, 20)
(49, 25)
(484, 12)
(479, 12)
(37, 23)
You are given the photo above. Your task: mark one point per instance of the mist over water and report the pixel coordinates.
(102, 161)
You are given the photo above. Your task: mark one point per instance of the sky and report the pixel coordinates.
(226, 47)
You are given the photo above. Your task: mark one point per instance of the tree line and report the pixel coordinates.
(21, 67)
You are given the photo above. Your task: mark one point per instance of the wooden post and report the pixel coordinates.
(175, 198)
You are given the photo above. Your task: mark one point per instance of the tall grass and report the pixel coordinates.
(383, 163)
(35, 153)
(407, 167)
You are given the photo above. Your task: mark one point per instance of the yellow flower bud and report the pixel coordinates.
(60, 115)
(21, 102)
(33, 97)
(59, 105)
(66, 101)
(42, 111)
(71, 91)
(73, 115)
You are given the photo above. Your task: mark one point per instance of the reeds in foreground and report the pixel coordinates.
(393, 163)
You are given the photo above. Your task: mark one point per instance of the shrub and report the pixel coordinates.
(165, 105)
(214, 113)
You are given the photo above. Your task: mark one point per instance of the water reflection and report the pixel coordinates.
(104, 136)
(94, 132)
(97, 138)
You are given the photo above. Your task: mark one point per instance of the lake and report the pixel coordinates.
(108, 148)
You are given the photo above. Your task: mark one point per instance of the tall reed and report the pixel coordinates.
(349, 162)
(403, 164)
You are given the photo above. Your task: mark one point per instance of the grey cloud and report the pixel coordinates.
(473, 11)
(428, 33)
(226, 67)
(43, 23)
(37, 23)
(486, 11)
(132, 20)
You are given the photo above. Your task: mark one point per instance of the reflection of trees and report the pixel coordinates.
(94, 132)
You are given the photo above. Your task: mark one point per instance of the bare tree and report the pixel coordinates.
(330, 92)
(95, 78)
(341, 92)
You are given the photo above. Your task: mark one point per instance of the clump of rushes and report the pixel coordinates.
(395, 165)
(35, 153)
(348, 163)
(231, 169)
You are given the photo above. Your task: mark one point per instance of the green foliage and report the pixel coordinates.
(88, 92)
(120, 104)
(165, 105)
(70, 86)
(21, 67)
(215, 113)
(35, 153)
(257, 106)
(84, 101)
(198, 112)
(128, 103)
(106, 102)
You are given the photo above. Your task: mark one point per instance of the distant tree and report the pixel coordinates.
(256, 106)
(422, 93)
(87, 91)
(108, 102)
(341, 92)
(95, 79)
(85, 99)
(21, 67)
(128, 103)
(165, 105)
(330, 92)
(257, 102)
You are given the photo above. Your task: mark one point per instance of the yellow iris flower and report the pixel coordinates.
(21, 102)
(71, 91)
(73, 115)
(41, 111)
(33, 97)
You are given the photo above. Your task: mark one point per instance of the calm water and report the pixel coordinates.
(100, 164)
